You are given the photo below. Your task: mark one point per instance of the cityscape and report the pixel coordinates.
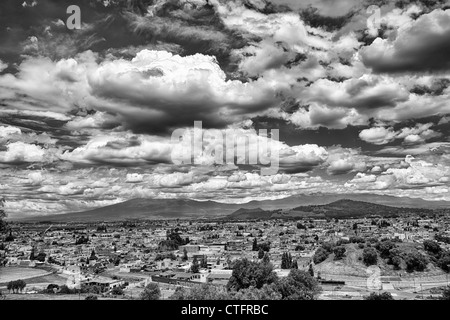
(224, 150)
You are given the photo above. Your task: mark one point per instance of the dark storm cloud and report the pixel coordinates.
(423, 47)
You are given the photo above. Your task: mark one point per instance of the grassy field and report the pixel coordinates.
(15, 273)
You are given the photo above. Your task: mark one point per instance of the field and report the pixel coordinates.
(15, 273)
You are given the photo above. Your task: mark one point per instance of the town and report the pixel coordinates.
(405, 257)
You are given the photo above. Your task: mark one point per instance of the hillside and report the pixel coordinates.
(315, 205)
(343, 208)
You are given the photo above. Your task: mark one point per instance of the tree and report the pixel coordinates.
(379, 296)
(311, 270)
(3, 225)
(16, 286)
(203, 292)
(267, 292)
(415, 262)
(339, 252)
(385, 248)
(248, 273)
(370, 256)
(446, 294)
(255, 245)
(32, 254)
(195, 268)
(151, 292)
(286, 261)
(117, 291)
(266, 258)
(93, 256)
(432, 247)
(185, 255)
(320, 255)
(260, 253)
(204, 263)
(298, 285)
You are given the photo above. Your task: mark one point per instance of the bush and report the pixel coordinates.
(432, 247)
(117, 291)
(370, 256)
(379, 296)
(320, 255)
(298, 285)
(151, 292)
(385, 247)
(444, 261)
(248, 273)
(91, 297)
(415, 262)
(339, 252)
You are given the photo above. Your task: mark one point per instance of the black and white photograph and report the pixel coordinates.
(235, 153)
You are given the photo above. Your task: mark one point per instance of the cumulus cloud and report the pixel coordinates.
(421, 45)
(410, 135)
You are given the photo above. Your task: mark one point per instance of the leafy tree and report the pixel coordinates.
(446, 294)
(16, 286)
(432, 247)
(385, 247)
(204, 263)
(32, 254)
(260, 253)
(203, 292)
(379, 296)
(118, 291)
(195, 268)
(444, 261)
(415, 262)
(370, 256)
(286, 261)
(339, 252)
(185, 255)
(255, 245)
(311, 270)
(320, 255)
(298, 285)
(151, 292)
(248, 273)
(267, 292)
(266, 258)
(301, 226)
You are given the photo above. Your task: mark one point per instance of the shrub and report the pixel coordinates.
(379, 296)
(370, 256)
(151, 292)
(320, 255)
(339, 252)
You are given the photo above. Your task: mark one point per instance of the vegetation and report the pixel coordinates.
(286, 261)
(446, 294)
(339, 252)
(379, 296)
(16, 286)
(370, 256)
(151, 292)
(172, 242)
(248, 274)
(320, 255)
(298, 285)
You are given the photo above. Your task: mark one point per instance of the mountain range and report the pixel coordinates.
(318, 205)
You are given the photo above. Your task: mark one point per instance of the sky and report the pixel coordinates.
(359, 91)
